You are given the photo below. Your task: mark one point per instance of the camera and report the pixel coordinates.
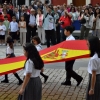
(61, 23)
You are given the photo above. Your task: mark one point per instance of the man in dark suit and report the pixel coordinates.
(10, 11)
(31, 25)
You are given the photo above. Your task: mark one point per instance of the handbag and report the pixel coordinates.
(19, 97)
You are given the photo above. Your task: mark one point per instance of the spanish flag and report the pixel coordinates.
(65, 51)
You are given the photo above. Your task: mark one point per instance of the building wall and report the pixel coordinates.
(95, 1)
(60, 2)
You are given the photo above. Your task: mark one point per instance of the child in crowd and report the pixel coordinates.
(2, 33)
(69, 64)
(22, 25)
(36, 41)
(13, 29)
(10, 54)
(32, 86)
(6, 23)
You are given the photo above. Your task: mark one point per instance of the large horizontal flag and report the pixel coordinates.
(65, 51)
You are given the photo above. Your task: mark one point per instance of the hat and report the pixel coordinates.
(32, 10)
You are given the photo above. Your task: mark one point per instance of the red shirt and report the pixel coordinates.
(66, 20)
(1, 17)
(9, 17)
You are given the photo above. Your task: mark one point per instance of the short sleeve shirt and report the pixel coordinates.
(39, 47)
(70, 38)
(29, 68)
(9, 50)
(94, 64)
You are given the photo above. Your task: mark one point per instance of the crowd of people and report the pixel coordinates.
(47, 24)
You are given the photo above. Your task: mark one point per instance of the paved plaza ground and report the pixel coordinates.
(52, 90)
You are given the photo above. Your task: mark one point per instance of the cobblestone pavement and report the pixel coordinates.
(52, 90)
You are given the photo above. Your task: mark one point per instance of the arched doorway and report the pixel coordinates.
(79, 2)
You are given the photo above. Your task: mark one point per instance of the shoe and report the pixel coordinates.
(20, 82)
(79, 81)
(45, 79)
(5, 81)
(0, 44)
(66, 83)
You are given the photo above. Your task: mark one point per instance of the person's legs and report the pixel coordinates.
(28, 35)
(3, 39)
(53, 37)
(58, 34)
(86, 33)
(94, 32)
(40, 33)
(20, 81)
(24, 38)
(70, 73)
(45, 77)
(64, 37)
(74, 75)
(6, 79)
(43, 36)
(98, 33)
(21, 38)
(33, 32)
(48, 32)
(82, 32)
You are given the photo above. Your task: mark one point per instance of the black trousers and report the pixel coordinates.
(50, 36)
(69, 71)
(31, 32)
(58, 34)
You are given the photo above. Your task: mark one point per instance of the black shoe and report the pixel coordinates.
(66, 83)
(5, 81)
(20, 82)
(45, 79)
(79, 81)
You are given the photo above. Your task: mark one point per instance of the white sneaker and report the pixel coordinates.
(0, 44)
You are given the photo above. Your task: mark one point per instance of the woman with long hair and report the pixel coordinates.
(32, 86)
(97, 23)
(93, 90)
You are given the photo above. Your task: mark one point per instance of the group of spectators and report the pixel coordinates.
(46, 21)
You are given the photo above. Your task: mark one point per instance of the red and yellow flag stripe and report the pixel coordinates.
(65, 51)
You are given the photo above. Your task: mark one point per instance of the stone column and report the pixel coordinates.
(88, 2)
(27, 2)
(69, 1)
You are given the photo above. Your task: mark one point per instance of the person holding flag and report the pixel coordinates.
(69, 64)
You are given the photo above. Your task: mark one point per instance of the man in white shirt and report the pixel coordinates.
(69, 64)
(49, 27)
